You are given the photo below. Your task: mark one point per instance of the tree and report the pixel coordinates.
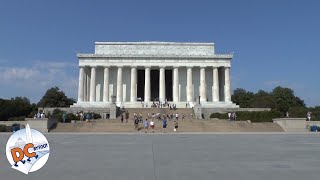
(284, 98)
(262, 99)
(242, 97)
(55, 98)
(15, 107)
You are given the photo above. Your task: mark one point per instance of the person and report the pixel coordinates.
(121, 118)
(88, 117)
(175, 125)
(136, 124)
(234, 116)
(38, 115)
(64, 117)
(177, 116)
(152, 124)
(229, 115)
(127, 116)
(164, 124)
(81, 116)
(287, 114)
(183, 116)
(309, 116)
(146, 125)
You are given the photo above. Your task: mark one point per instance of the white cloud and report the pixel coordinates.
(34, 80)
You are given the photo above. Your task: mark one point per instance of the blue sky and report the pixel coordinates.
(276, 42)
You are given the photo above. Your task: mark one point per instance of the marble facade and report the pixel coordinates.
(137, 73)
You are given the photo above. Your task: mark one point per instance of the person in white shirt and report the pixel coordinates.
(152, 125)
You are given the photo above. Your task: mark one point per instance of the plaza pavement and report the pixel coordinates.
(247, 156)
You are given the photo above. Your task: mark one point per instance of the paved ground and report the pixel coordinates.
(175, 156)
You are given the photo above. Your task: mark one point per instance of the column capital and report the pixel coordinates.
(147, 67)
(120, 66)
(162, 66)
(106, 66)
(189, 67)
(202, 66)
(176, 66)
(133, 66)
(93, 66)
(226, 67)
(82, 66)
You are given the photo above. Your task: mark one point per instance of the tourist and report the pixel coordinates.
(81, 116)
(164, 124)
(43, 115)
(175, 126)
(177, 116)
(88, 117)
(121, 117)
(35, 116)
(64, 117)
(287, 114)
(127, 116)
(38, 115)
(152, 124)
(229, 115)
(234, 116)
(146, 125)
(183, 116)
(309, 116)
(136, 123)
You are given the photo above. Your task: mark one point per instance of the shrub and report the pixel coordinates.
(4, 128)
(262, 116)
(96, 116)
(57, 114)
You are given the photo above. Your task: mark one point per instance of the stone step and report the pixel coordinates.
(186, 126)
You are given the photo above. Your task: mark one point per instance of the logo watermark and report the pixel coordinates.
(27, 150)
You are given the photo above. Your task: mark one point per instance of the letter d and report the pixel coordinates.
(14, 152)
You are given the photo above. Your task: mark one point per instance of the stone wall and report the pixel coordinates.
(292, 124)
(38, 124)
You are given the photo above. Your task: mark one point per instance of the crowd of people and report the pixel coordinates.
(150, 122)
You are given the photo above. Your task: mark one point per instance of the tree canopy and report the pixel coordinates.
(281, 99)
(15, 107)
(55, 98)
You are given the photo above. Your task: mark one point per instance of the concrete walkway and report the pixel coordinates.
(175, 156)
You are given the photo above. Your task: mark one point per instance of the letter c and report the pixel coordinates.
(26, 150)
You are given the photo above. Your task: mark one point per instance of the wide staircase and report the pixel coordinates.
(187, 125)
(144, 111)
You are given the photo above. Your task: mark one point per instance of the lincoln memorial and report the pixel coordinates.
(134, 74)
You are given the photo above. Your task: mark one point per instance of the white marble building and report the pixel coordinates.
(147, 71)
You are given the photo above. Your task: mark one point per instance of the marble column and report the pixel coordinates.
(162, 85)
(93, 84)
(215, 90)
(88, 84)
(175, 84)
(106, 84)
(227, 90)
(85, 85)
(189, 85)
(147, 85)
(81, 85)
(133, 89)
(203, 94)
(119, 84)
